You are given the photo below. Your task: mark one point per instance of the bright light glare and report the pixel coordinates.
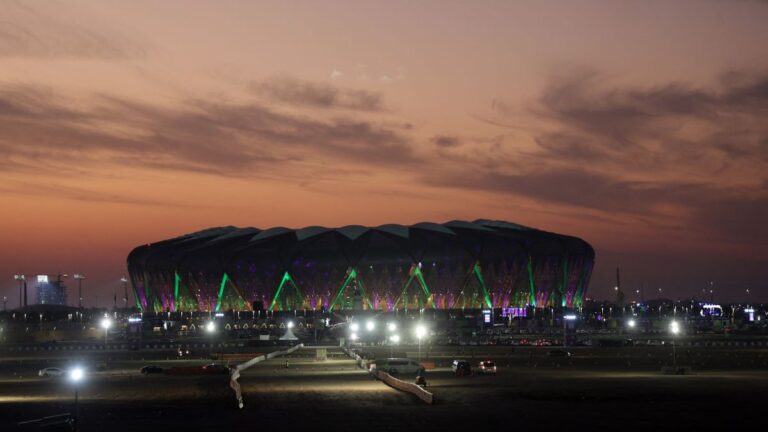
(392, 327)
(353, 336)
(354, 327)
(370, 325)
(570, 317)
(106, 323)
(421, 331)
(631, 323)
(395, 338)
(76, 374)
(674, 327)
(290, 324)
(210, 327)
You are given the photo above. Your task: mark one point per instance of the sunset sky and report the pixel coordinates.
(641, 127)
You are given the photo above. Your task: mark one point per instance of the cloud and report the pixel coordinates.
(29, 31)
(295, 92)
(59, 191)
(37, 128)
(694, 156)
(656, 126)
(445, 141)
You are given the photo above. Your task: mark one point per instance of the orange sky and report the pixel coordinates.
(638, 126)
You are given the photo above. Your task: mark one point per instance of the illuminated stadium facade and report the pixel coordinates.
(480, 264)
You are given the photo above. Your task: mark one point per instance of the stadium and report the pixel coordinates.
(455, 265)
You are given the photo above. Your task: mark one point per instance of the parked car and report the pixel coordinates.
(560, 353)
(461, 367)
(486, 367)
(215, 369)
(456, 363)
(51, 372)
(146, 370)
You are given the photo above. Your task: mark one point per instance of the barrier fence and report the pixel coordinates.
(401, 385)
(235, 374)
(393, 382)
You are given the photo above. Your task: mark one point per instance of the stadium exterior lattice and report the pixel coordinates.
(455, 265)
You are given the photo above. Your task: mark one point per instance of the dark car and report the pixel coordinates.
(146, 370)
(461, 367)
(215, 369)
(559, 353)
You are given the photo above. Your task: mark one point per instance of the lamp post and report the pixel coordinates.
(20, 278)
(674, 328)
(421, 331)
(566, 318)
(106, 323)
(392, 341)
(393, 338)
(76, 375)
(79, 277)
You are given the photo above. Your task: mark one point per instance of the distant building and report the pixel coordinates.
(51, 292)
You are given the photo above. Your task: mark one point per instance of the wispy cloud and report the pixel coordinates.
(27, 31)
(37, 126)
(296, 92)
(60, 191)
(445, 141)
(673, 152)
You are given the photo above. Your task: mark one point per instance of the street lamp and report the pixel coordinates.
(106, 323)
(421, 331)
(394, 339)
(79, 277)
(631, 323)
(391, 326)
(674, 328)
(566, 318)
(76, 375)
(210, 327)
(354, 327)
(370, 326)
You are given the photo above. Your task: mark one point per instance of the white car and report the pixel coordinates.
(486, 368)
(51, 372)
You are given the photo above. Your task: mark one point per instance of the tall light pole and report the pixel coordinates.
(106, 323)
(421, 331)
(20, 278)
(79, 277)
(566, 318)
(674, 328)
(76, 375)
(125, 292)
(392, 341)
(393, 338)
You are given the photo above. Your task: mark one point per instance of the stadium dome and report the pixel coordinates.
(479, 264)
